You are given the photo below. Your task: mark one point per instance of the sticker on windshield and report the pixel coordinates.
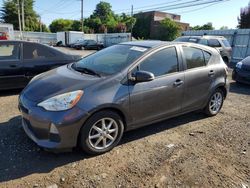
(137, 48)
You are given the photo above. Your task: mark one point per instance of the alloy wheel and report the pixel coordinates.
(216, 102)
(103, 133)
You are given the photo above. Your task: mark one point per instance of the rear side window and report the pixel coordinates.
(226, 43)
(9, 52)
(194, 57)
(214, 43)
(162, 62)
(36, 51)
(207, 56)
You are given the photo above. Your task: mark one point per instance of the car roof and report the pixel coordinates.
(204, 36)
(145, 43)
(158, 43)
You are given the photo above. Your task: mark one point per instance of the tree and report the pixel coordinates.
(224, 28)
(244, 19)
(61, 25)
(9, 14)
(169, 30)
(207, 26)
(142, 26)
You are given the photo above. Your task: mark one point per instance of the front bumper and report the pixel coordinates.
(241, 76)
(51, 130)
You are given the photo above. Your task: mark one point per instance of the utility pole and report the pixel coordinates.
(40, 24)
(82, 15)
(23, 19)
(132, 25)
(19, 19)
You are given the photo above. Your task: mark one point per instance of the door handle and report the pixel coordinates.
(13, 66)
(211, 73)
(178, 82)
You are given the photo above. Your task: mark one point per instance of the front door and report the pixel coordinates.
(161, 97)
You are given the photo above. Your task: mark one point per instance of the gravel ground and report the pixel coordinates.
(187, 151)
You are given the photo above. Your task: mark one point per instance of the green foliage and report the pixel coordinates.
(9, 14)
(244, 19)
(104, 20)
(142, 27)
(224, 28)
(207, 26)
(169, 30)
(61, 25)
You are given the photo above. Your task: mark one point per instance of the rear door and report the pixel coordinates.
(11, 69)
(198, 77)
(161, 97)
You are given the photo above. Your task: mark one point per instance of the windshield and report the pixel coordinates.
(110, 60)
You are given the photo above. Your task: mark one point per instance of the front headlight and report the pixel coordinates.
(239, 65)
(62, 102)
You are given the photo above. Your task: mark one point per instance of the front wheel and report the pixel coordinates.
(101, 133)
(215, 103)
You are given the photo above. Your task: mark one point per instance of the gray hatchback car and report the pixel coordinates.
(92, 102)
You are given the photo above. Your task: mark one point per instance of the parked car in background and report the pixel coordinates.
(3, 36)
(241, 72)
(218, 42)
(123, 87)
(76, 42)
(20, 61)
(88, 45)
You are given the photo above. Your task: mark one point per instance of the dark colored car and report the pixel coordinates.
(3, 36)
(218, 42)
(241, 72)
(88, 45)
(123, 87)
(20, 61)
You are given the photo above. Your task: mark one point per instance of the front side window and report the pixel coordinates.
(36, 51)
(162, 62)
(194, 57)
(9, 52)
(214, 43)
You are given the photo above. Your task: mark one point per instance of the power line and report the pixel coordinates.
(152, 5)
(188, 4)
(197, 9)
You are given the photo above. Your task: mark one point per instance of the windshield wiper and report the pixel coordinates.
(86, 71)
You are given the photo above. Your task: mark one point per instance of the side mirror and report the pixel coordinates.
(143, 76)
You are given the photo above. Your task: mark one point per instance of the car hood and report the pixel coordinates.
(57, 81)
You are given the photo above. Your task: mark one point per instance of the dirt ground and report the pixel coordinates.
(187, 151)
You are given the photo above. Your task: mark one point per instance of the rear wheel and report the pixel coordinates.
(101, 133)
(215, 103)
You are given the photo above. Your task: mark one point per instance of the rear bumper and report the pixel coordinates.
(51, 130)
(241, 76)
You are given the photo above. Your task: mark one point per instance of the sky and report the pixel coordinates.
(221, 14)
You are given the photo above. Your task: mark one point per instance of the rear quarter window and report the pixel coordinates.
(225, 43)
(207, 56)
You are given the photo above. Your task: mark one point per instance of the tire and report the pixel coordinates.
(213, 108)
(93, 128)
